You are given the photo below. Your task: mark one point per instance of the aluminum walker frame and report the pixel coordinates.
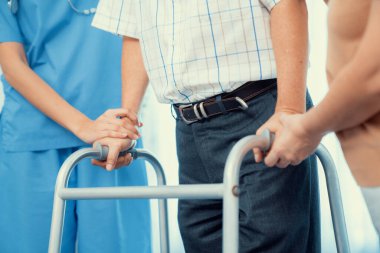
(228, 191)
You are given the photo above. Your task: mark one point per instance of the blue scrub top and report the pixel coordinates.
(81, 63)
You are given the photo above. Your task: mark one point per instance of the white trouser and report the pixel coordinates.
(372, 198)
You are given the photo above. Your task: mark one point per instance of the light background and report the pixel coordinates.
(159, 137)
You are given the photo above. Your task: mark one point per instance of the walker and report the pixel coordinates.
(228, 191)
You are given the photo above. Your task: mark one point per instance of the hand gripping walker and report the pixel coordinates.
(228, 191)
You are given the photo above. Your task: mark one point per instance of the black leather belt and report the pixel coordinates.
(224, 102)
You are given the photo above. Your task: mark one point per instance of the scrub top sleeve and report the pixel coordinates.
(9, 28)
(269, 4)
(118, 17)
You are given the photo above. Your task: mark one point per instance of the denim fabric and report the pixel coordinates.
(279, 208)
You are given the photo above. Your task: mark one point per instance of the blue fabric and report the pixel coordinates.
(27, 183)
(279, 208)
(80, 62)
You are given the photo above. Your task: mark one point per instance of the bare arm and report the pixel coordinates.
(22, 78)
(289, 33)
(134, 76)
(355, 92)
(135, 81)
(354, 97)
(290, 43)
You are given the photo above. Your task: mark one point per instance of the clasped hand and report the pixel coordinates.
(293, 142)
(116, 128)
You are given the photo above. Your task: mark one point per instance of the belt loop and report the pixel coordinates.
(218, 100)
(203, 111)
(196, 112)
(172, 111)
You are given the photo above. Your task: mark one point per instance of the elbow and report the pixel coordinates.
(7, 74)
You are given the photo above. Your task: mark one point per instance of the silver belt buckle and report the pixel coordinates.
(180, 108)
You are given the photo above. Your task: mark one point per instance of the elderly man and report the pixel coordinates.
(227, 67)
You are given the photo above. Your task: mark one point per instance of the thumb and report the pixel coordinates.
(113, 154)
(261, 129)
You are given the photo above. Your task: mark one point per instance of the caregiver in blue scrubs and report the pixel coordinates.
(60, 77)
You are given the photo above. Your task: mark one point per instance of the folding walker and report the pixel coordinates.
(228, 191)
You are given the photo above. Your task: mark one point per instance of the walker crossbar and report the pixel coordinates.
(228, 191)
(194, 191)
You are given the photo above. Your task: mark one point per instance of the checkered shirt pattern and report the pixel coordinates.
(195, 49)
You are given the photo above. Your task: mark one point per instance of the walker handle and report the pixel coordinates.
(103, 150)
(269, 137)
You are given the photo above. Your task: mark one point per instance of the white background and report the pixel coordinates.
(159, 137)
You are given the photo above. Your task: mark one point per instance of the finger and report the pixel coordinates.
(124, 128)
(296, 162)
(115, 112)
(271, 159)
(119, 134)
(258, 155)
(132, 129)
(123, 113)
(121, 124)
(99, 163)
(261, 129)
(123, 161)
(283, 163)
(111, 130)
(131, 116)
(127, 159)
(112, 157)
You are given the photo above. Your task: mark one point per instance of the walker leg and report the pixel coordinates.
(335, 200)
(163, 226)
(230, 222)
(57, 225)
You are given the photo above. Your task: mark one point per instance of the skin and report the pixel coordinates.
(289, 34)
(290, 42)
(351, 107)
(21, 77)
(134, 84)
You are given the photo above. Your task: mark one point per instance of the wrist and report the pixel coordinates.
(295, 105)
(76, 125)
(132, 107)
(289, 109)
(312, 125)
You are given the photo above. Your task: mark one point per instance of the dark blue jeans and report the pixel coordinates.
(279, 208)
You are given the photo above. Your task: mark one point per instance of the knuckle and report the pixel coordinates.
(111, 161)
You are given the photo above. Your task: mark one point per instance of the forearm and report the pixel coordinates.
(352, 99)
(290, 42)
(134, 76)
(35, 90)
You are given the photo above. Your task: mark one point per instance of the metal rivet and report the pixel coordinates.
(235, 190)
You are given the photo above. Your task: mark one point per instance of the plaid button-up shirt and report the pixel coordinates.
(195, 49)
